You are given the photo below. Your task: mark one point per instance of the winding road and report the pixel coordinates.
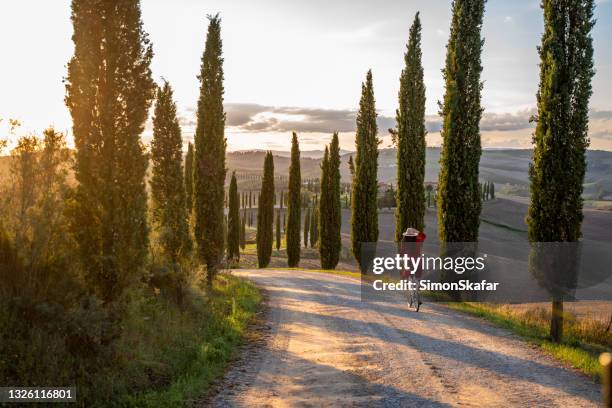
(320, 345)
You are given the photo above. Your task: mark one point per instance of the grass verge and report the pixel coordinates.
(533, 327)
(187, 353)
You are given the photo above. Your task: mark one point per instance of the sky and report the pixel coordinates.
(298, 65)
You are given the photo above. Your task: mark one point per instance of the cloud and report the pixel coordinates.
(507, 121)
(511, 129)
(490, 121)
(248, 117)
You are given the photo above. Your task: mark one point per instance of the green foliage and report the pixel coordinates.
(189, 178)
(35, 224)
(364, 225)
(294, 204)
(163, 356)
(243, 231)
(234, 225)
(459, 200)
(168, 208)
(351, 165)
(410, 134)
(108, 95)
(278, 231)
(314, 226)
(209, 165)
(330, 216)
(560, 139)
(306, 227)
(265, 213)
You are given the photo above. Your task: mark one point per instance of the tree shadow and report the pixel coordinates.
(315, 290)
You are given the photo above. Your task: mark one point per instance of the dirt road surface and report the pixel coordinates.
(323, 347)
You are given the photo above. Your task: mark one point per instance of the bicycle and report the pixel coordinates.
(414, 295)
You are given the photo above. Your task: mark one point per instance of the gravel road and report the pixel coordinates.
(321, 346)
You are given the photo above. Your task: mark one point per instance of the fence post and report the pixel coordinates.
(605, 359)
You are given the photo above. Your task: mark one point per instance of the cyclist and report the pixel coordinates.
(411, 245)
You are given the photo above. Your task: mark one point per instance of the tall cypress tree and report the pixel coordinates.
(189, 178)
(210, 143)
(265, 213)
(410, 134)
(364, 226)
(233, 221)
(278, 231)
(109, 92)
(324, 211)
(306, 227)
(314, 225)
(459, 201)
(243, 231)
(169, 211)
(560, 141)
(334, 213)
(294, 204)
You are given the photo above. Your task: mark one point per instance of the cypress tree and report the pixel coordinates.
(306, 227)
(278, 231)
(265, 213)
(243, 232)
(210, 143)
(109, 92)
(314, 227)
(189, 178)
(334, 217)
(410, 134)
(364, 226)
(560, 141)
(294, 205)
(492, 191)
(324, 212)
(168, 196)
(459, 198)
(233, 221)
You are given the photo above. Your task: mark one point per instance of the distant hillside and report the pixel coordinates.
(507, 168)
(501, 166)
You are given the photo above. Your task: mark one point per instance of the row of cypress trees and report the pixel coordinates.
(560, 139)
(110, 203)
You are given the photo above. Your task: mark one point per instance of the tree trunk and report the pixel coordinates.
(556, 321)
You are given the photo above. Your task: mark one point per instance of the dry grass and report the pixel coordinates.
(584, 337)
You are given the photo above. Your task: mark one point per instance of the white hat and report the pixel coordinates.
(411, 232)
